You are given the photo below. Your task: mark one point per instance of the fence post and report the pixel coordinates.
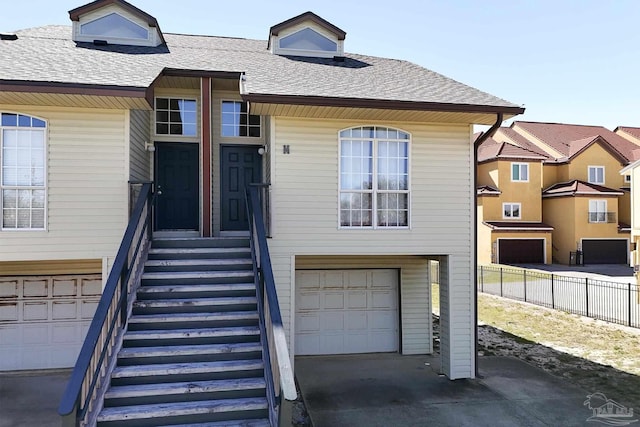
(629, 307)
(553, 302)
(500, 281)
(481, 280)
(524, 276)
(586, 290)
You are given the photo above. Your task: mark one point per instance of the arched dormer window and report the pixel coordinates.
(22, 172)
(307, 35)
(374, 177)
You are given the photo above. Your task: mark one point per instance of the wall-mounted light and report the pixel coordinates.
(262, 150)
(149, 147)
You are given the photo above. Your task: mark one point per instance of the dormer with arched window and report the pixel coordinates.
(307, 35)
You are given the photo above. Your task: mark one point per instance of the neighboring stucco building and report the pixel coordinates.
(369, 163)
(584, 198)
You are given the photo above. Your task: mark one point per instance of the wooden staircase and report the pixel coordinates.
(191, 354)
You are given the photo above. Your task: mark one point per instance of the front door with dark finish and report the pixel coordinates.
(240, 166)
(177, 173)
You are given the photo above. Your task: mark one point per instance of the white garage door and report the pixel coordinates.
(346, 311)
(43, 320)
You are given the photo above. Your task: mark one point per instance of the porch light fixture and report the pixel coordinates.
(149, 147)
(262, 150)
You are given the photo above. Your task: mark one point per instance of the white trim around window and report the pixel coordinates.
(511, 211)
(627, 179)
(23, 172)
(595, 175)
(597, 211)
(374, 178)
(520, 172)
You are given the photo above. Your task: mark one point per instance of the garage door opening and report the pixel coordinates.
(521, 251)
(346, 311)
(605, 251)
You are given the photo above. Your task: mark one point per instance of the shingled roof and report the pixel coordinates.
(47, 56)
(505, 134)
(579, 188)
(569, 140)
(490, 149)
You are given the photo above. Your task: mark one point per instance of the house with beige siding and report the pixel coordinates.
(365, 164)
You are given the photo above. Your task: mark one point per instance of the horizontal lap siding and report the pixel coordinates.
(305, 221)
(86, 187)
(305, 192)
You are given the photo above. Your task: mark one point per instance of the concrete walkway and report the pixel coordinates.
(31, 399)
(394, 390)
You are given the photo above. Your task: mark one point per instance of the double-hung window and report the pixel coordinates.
(374, 178)
(511, 211)
(596, 175)
(597, 211)
(519, 172)
(22, 172)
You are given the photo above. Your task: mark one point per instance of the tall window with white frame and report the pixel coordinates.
(237, 122)
(374, 178)
(596, 175)
(598, 211)
(519, 172)
(22, 172)
(511, 211)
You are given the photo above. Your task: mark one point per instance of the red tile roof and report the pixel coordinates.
(491, 149)
(569, 139)
(487, 190)
(577, 187)
(514, 226)
(509, 135)
(634, 132)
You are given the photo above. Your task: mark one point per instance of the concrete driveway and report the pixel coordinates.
(31, 399)
(395, 390)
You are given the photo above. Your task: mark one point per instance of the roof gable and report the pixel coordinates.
(491, 149)
(115, 22)
(570, 140)
(306, 35)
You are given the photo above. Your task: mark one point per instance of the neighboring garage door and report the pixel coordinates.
(521, 251)
(43, 320)
(346, 311)
(598, 251)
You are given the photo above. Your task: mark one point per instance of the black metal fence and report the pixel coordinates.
(604, 300)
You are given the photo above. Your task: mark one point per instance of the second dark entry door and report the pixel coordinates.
(177, 173)
(240, 166)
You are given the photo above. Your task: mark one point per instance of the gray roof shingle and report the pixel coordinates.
(48, 54)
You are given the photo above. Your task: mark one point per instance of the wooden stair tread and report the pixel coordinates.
(195, 301)
(181, 409)
(192, 332)
(183, 350)
(189, 317)
(149, 289)
(129, 391)
(205, 250)
(185, 262)
(167, 369)
(261, 422)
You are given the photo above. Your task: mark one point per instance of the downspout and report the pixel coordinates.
(476, 144)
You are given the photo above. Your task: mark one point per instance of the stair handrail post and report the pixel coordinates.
(280, 349)
(102, 333)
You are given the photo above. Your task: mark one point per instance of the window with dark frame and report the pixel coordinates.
(237, 122)
(176, 116)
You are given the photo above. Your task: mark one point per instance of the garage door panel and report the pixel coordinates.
(605, 251)
(8, 312)
(43, 320)
(332, 321)
(518, 251)
(357, 300)
(353, 315)
(308, 301)
(35, 311)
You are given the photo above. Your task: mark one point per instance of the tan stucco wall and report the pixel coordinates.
(595, 155)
